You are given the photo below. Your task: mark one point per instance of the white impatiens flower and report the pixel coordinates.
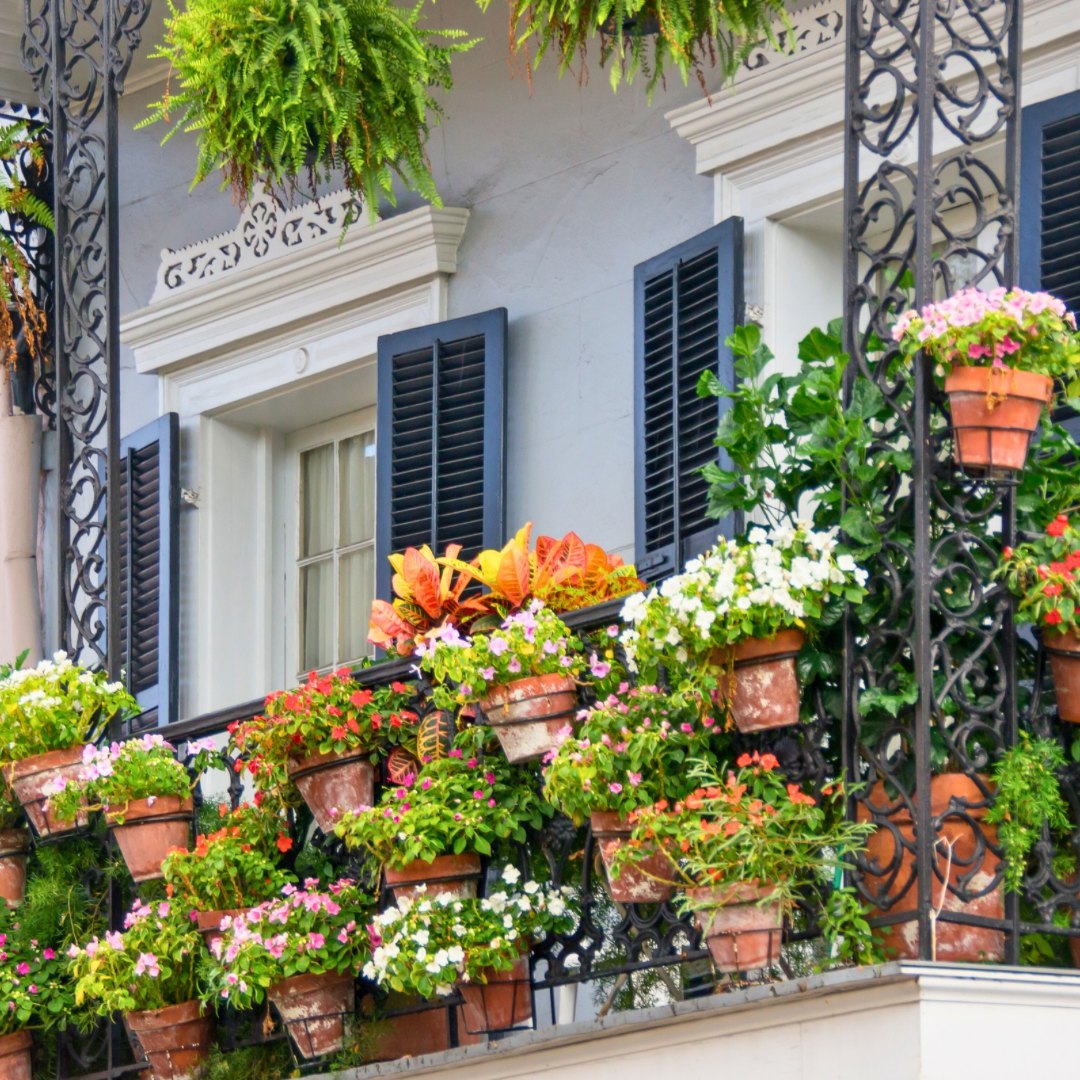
(421, 937)
(757, 536)
(456, 954)
(557, 906)
(531, 887)
(511, 875)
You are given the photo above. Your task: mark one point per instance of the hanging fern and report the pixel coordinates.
(283, 91)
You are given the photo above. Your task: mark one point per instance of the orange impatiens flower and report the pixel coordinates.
(284, 843)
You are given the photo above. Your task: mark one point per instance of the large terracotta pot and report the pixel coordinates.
(994, 413)
(636, 883)
(742, 933)
(955, 941)
(176, 1040)
(1064, 650)
(455, 875)
(209, 923)
(762, 689)
(150, 832)
(333, 783)
(14, 844)
(28, 780)
(314, 1009)
(15, 1057)
(503, 1002)
(528, 714)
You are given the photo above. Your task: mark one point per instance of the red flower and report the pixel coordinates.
(768, 761)
(1058, 526)
(333, 710)
(353, 726)
(291, 703)
(1053, 617)
(325, 686)
(1007, 552)
(399, 688)
(338, 733)
(342, 673)
(376, 721)
(284, 843)
(360, 698)
(1072, 560)
(395, 720)
(1053, 589)
(743, 761)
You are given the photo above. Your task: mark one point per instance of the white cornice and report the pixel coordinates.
(303, 285)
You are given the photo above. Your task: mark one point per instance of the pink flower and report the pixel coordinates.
(456, 753)
(634, 778)
(317, 941)
(48, 954)
(613, 631)
(599, 668)
(489, 777)
(147, 964)
(688, 728)
(498, 646)
(491, 802)
(23, 968)
(163, 909)
(457, 817)
(514, 666)
(615, 788)
(566, 661)
(343, 937)
(487, 673)
(32, 988)
(425, 783)
(471, 763)
(477, 794)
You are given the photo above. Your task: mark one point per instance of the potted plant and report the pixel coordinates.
(630, 751)
(14, 844)
(145, 793)
(345, 86)
(326, 737)
(231, 870)
(999, 352)
(739, 614)
(1042, 575)
(50, 713)
(521, 675)
(303, 950)
(747, 846)
(149, 974)
(432, 830)
(430, 945)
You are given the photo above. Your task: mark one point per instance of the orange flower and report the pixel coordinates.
(284, 843)
(768, 761)
(743, 761)
(730, 828)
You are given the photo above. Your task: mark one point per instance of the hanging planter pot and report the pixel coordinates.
(28, 779)
(14, 844)
(209, 923)
(758, 682)
(314, 1008)
(149, 831)
(334, 783)
(741, 928)
(453, 875)
(1064, 651)
(502, 1002)
(16, 1061)
(175, 1040)
(527, 714)
(995, 411)
(637, 882)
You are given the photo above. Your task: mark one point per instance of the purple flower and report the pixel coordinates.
(612, 631)
(514, 666)
(599, 668)
(498, 646)
(566, 661)
(487, 673)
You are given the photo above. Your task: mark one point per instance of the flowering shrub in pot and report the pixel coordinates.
(1043, 576)
(745, 847)
(50, 713)
(434, 828)
(999, 352)
(326, 737)
(738, 614)
(145, 793)
(432, 944)
(521, 675)
(150, 974)
(14, 844)
(631, 751)
(303, 950)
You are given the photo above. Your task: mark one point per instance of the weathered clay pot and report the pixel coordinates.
(411, 1034)
(176, 1040)
(1064, 650)
(504, 1001)
(145, 839)
(636, 883)
(209, 923)
(15, 1056)
(314, 1008)
(333, 783)
(14, 844)
(762, 690)
(742, 933)
(528, 714)
(994, 413)
(28, 780)
(456, 875)
(955, 942)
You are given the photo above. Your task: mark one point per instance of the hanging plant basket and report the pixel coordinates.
(29, 778)
(314, 1009)
(333, 783)
(500, 1003)
(636, 883)
(16, 1060)
(14, 845)
(527, 714)
(175, 1040)
(741, 928)
(453, 875)
(149, 832)
(758, 681)
(1064, 651)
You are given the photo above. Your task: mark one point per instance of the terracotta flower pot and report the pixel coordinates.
(762, 690)
(504, 1001)
(456, 875)
(528, 714)
(636, 883)
(411, 1034)
(1064, 650)
(28, 780)
(176, 1040)
(333, 783)
(742, 933)
(209, 923)
(313, 1009)
(955, 942)
(14, 844)
(994, 413)
(15, 1056)
(149, 833)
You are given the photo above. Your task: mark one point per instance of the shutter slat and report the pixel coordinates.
(1059, 262)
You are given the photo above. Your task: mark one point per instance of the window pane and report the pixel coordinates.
(317, 614)
(356, 462)
(356, 580)
(317, 500)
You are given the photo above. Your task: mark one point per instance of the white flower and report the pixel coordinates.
(757, 536)
(421, 954)
(370, 972)
(421, 937)
(456, 954)
(511, 875)
(444, 991)
(556, 905)
(508, 921)
(531, 887)
(846, 563)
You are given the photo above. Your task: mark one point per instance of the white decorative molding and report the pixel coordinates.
(812, 27)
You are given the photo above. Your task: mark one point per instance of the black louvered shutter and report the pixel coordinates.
(686, 302)
(440, 433)
(149, 496)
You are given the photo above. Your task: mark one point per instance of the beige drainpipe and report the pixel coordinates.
(20, 471)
